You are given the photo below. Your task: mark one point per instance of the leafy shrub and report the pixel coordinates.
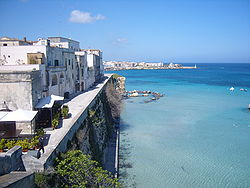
(2, 144)
(116, 76)
(78, 170)
(10, 144)
(65, 111)
(23, 143)
(34, 142)
(55, 123)
(40, 132)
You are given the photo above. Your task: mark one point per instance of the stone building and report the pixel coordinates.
(61, 68)
(7, 41)
(31, 71)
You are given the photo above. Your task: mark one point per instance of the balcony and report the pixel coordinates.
(56, 68)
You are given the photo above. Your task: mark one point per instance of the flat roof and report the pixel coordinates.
(19, 115)
(63, 38)
(2, 114)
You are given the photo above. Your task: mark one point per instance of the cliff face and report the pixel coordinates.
(95, 131)
(120, 84)
(93, 134)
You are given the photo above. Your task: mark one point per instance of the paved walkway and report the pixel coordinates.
(77, 106)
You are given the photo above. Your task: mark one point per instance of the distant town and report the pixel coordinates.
(124, 65)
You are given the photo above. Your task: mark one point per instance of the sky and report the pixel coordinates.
(179, 31)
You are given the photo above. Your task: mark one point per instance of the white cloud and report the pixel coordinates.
(76, 16)
(120, 41)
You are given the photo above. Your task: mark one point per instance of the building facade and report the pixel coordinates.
(62, 68)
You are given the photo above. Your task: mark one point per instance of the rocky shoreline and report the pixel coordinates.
(151, 95)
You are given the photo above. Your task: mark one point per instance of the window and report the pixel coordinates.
(66, 62)
(54, 80)
(69, 61)
(56, 62)
(61, 78)
(5, 44)
(72, 64)
(8, 56)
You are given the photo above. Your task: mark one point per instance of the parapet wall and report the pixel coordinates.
(18, 180)
(11, 160)
(75, 131)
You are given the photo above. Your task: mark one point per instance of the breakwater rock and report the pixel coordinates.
(151, 95)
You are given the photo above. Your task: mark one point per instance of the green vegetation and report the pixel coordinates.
(115, 76)
(55, 123)
(10, 144)
(65, 111)
(94, 118)
(2, 144)
(34, 142)
(78, 170)
(24, 143)
(40, 132)
(74, 169)
(92, 113)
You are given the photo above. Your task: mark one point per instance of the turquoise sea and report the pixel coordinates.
(197, 135)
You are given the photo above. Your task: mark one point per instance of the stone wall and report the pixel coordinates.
(16, 89)
(18, 180)
(11, 160)
(26, 127)
(88, 131)
(93, 134)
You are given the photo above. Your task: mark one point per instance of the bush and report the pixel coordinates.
(65, 111)
(78, 170)
(10, 144)
(55, 123)
(34, 142)
(116, 76)
(2, 144)
(40, 132)
(23, 143)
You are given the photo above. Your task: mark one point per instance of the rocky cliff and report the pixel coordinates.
(93, 135)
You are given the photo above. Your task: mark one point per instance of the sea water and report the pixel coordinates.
(197, 135)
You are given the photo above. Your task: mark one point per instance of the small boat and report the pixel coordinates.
(242, 89)
(249, 106)
(231, 89)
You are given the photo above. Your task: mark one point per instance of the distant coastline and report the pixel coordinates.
(142, 68)
(116, 66)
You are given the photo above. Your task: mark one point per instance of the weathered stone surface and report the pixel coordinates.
(20, 90)
(11, 160)
(18, 180)
(121, 84)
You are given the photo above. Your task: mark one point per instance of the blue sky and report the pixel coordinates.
(136, 30)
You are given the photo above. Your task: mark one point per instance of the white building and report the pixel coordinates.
(94, 65)
(57, 65)
(64, 43)
(64, 69)
(7, 41)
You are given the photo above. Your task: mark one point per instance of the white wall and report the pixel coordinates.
(15, 55)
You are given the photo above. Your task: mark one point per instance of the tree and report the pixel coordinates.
(78, 170)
